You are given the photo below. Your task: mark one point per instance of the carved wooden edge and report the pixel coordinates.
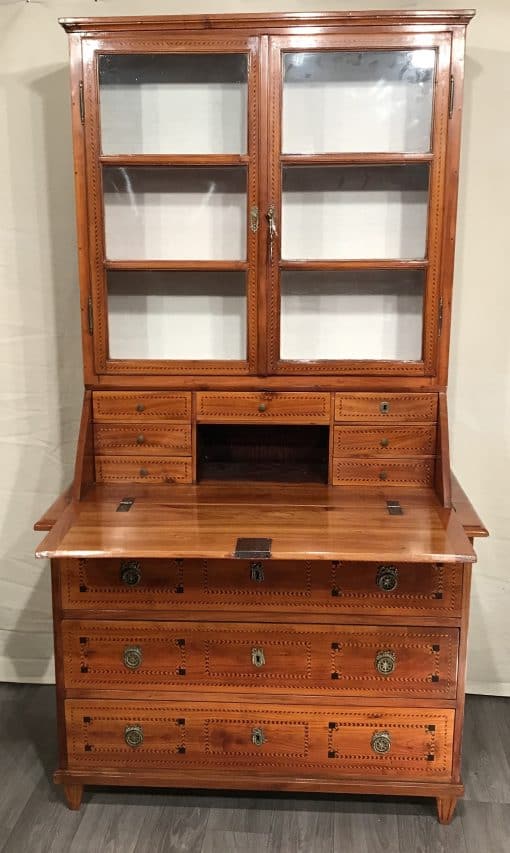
(320, 19)
(84, 472)
(442, 476)
(466, 513)
(50, 517)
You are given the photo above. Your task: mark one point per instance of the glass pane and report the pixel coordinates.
(378, 100)
(369, 314)
(354, 212)
(177, 315)
(173, 103)
(175, 213)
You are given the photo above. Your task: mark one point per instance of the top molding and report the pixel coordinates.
(268, 21)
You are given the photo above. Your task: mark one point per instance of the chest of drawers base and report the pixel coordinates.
(357, 701)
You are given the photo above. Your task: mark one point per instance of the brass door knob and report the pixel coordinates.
(387, 578)
(383, 475)
(133, 735)
(385, 662)
(262, 407)
(140, 438)
(132, 657)
(258, 737)
(130, 572)
(381, 742)
(140, 407)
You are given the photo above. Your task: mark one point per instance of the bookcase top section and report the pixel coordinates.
(268, 21)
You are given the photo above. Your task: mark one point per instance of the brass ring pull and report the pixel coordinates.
(132, 657)
(258, 737)
(387, 578)
(133, 735)
(385, 662)
(130, 572)
(381, 742)
(257, 657)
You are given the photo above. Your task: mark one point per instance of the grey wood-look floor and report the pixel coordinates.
(33, 817)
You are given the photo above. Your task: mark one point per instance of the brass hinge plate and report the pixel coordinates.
(250, 549)
(90, 314)
(440, 317)
(394, 508)
(125, 505)
(451, 96)
(82, 102)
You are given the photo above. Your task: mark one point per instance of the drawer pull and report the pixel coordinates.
(140, 438)
(140, 407)
(383, 475)
(384, 407)
(257, 572)
(144, 472)
(385, 442)
(385, 662)
(258, 737)
(133, 735)
(130, 572)
(257, 657)
(387, 578)
(262, 407)
(381, 742)
(132, 657)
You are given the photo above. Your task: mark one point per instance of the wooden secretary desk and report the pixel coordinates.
(261, 571)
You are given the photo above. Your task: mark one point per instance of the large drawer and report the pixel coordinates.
(387, 408)
(400, 589)
(392, 743)
(150, 439)
(384, 441)
(383, 472)
(336, 660)
(255, 406)
(144, 469)
(141, 406)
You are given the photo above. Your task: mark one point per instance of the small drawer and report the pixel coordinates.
(150, 439)
(385, 407)
(384, 441)
(143, 469)
(330, 660)
(141, 406)
(254, 406)
(298, 586)
(406, 744)
(375, 472)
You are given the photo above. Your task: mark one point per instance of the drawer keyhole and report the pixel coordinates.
(257, 657)
(258, 737)
(384, 407)
(257, 572)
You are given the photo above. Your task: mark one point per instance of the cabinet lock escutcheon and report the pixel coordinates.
(258, 737)
(132, 657)
(257, 572)
(385, 662)
(381, 742)
(384, 407)
(257, 657)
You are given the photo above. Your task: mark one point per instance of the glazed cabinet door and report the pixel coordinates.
(357, 140)
(171, 137)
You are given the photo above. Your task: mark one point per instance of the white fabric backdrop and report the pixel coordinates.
(40, 359)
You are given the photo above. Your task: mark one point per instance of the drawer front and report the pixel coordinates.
(387, 472)
(399, 589)
(386, 408)
(384, 441)
(141, 406)
(253, 406)
(332, 660)
(391, 743)
(143, 469)
(149, 439)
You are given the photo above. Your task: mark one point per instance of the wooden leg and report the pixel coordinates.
(73, 795)
(445, 808)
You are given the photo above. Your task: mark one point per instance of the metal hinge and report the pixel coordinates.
(440, 317)
(90, 316)
(254, 219)
(451, 97)
(82, 102)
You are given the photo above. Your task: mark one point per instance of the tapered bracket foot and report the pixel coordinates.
(73, 795)
(445, 808)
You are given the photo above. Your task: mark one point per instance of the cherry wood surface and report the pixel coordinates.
(198, 523)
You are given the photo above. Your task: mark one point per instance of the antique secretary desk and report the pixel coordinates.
(261, 571)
